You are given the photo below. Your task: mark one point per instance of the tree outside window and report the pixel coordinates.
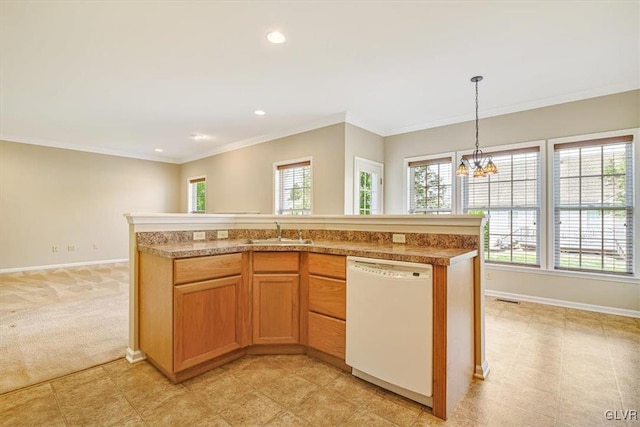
(430, 186)
(293, 188)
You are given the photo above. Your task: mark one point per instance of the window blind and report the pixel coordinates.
(430, 186)
(593, 205)
(510, 200)
(294, 189)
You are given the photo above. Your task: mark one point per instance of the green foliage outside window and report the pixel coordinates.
(201, 194)
(365, 192)
(298, 196)
(485, 230)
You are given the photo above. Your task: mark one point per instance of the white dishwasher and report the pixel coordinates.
(390, 325)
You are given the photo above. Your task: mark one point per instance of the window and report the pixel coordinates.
(197, 195)
(593, 205)
(293, 188)
(430, 186)
(511, 202)
(367, 193)
(368, 187)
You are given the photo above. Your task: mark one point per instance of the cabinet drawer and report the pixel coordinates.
(276, 262)
(327, 334)
(328, 296)
(207, 267)
(328, 265)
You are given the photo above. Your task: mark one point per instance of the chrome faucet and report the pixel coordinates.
(279, 230)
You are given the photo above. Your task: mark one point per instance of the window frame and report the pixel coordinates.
(406, 191)
(542, 202)
(635, 156)
(276, 166)
(192, 180)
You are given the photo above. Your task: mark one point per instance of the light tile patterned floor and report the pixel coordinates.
(550, 367)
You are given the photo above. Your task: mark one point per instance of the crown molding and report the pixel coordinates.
(326, 121)
(86, 149)
(524, 106)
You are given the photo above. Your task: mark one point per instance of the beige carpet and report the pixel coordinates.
(56, 322)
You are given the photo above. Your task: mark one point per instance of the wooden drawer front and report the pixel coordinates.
(207, 267)
(276, 262)
(327, 334)
(328, 296)
(328, 265)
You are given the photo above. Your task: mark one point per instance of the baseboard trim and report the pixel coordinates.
(564, 303)
(134, 356)
(71, 264)
(482, 371)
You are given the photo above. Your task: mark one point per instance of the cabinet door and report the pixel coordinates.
(206, 320)
(276, 312)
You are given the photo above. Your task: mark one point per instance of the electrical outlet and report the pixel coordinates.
(71, 248)
(199, 235)
(95, 246)
(489, 275)
(223, 234)
(398, 238)
(54, 249)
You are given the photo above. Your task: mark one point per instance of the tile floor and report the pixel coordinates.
(550, 367)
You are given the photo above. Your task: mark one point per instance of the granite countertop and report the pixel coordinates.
(388, 251)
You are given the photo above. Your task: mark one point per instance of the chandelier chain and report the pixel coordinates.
(477, 144)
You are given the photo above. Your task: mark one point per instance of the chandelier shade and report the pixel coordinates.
(481, 165)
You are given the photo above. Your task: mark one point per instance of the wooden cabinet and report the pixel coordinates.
(192, 310)
(276, 315)
(326, 304)
(205, 320)
(276, 297)
(198, 313)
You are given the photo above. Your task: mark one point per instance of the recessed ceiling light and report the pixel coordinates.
(276, 37)
(159, 150)
(259, 113)
(199, 136)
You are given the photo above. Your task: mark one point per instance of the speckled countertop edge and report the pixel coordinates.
(395, 252)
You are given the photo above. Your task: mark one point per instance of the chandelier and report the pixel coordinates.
(481, 166)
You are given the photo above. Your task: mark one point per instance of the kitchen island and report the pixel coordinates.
(201, 304)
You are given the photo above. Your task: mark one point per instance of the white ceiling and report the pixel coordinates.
(128, 77)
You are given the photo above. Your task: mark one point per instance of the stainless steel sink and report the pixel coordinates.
(276, 241)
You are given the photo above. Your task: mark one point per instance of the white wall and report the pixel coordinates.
(361, 143)
(602, 114)
(613, 112)
(575, 289)
(242, 180)
(52, 196)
